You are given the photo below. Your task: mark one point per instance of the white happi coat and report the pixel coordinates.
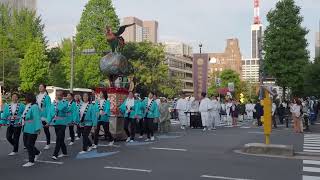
(250, 110)
(182, 107)
(204, 109)
(228, 109)
(215, 112)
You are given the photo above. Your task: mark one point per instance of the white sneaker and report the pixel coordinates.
(204, 129)
(71, 143)
(111, 143)
(147, 140)
(36, 157)
(69, 138)
(89, 149)
(46, 147)
(12, 154)
(128, 139)
(54, 157)
(152, 138)
(82, 152)
(94, 146)
(183, 128)
(28, 164)
(131, 141)
(140, 137)
(77, 139)
(62, 155)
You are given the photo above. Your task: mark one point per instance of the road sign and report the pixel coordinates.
(218, 82)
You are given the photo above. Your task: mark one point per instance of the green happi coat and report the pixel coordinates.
(30, 119)
(10, 118)
(58, 113)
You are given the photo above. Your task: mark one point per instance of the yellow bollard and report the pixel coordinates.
(267, 117)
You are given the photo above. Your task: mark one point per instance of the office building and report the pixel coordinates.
(178, 48)
(20, 4)
(141, 31)
(250, 70)
(181, 67)
(317, 48)
(229, 59)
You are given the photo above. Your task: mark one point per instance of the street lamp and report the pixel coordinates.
(72, 65)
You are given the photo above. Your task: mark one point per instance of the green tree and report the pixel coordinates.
(34, 67)
(96, 15)
(312, 79)
(90, 35)
(150, 71)
(18, 29)
(285, 46)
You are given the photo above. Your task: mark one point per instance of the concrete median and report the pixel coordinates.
(271, 149)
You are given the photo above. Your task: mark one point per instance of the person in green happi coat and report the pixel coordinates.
(31, 122)
(12, 113)
(58, 117)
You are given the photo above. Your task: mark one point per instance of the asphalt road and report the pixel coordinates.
(185, 155)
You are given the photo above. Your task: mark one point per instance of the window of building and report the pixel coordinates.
(221, 69)
(253, 62)
(247, 62)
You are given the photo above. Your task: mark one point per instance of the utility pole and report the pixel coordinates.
(72, 65)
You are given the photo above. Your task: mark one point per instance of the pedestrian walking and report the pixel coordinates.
(151, 112)
(295, 109)
(164, 116)
(31, 121)
(204, 109)
(128, 109)
(182, 108)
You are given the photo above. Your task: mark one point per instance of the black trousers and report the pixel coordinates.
(60, 135)
(107, 134)
(274, 121)
(71, 132)
(46, 132)
(30, 142)
(79, 131)
(148, 126)
(86, 142)
(13, 136)
(141, 127)
(259, 121)
(132, 131)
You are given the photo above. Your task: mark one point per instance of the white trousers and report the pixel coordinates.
(183, 118)
(206, 119)
(215, 116)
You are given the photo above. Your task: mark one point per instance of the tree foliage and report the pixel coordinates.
(18, 29)
(90, 35)
(150, 71)
(285, 46)
(312, 79)
(34, 67)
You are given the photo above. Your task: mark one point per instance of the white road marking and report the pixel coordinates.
(310, 147)
(311, 162)
(312, 135)
(221, 177)
(169, 149)
(312, 144)
(107, 145)
(128, 169)
(309, 150)
(52, 142)
(50, 162)
(311, 169)
(310, 178)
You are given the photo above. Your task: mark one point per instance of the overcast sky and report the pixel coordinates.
(210, 22)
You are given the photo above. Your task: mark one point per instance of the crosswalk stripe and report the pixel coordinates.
(312, 144)
(311, 162)
(310, 178)
(312, 141)
(307, 150)
(318, 138)
(311, 147)
(311, 169)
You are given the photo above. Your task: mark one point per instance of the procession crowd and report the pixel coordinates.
(39, 112)
(213, 112)
(88, 114)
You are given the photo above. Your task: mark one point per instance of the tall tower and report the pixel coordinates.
(256, 32)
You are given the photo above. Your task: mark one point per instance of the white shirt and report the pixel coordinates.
(216, 105)
(228, 106)
(83, 108)
(39, 98)
(205, 105)
(13, 108)
(130, 103)
(101, 103)
(149, 101)
(182, 104)
(295, 109)
(25, 113)
(274, 107)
